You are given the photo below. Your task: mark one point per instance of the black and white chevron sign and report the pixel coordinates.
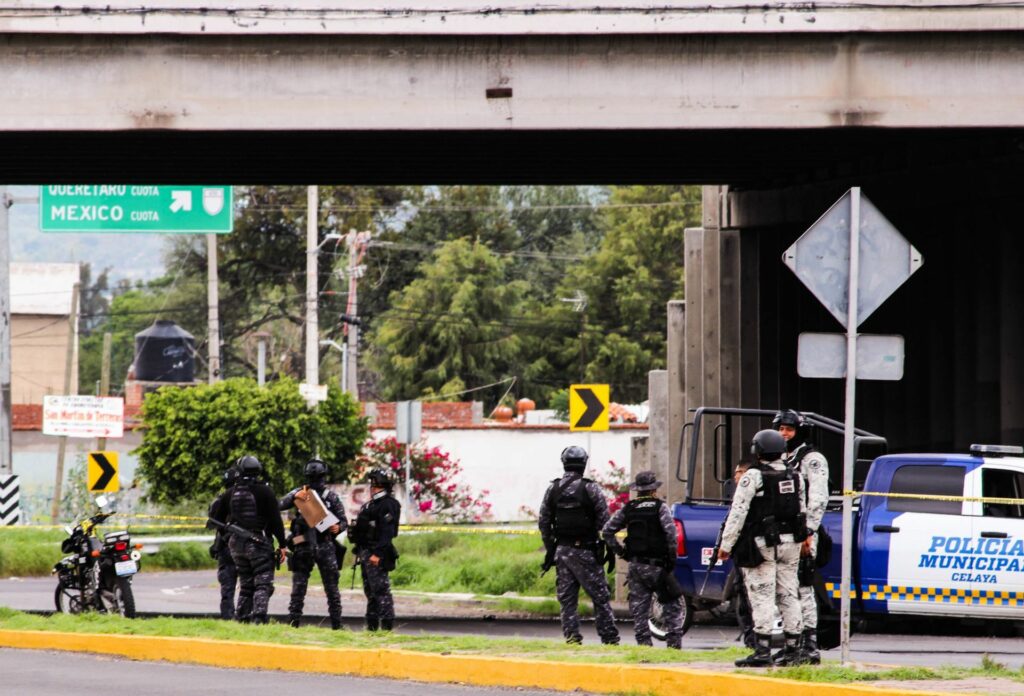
(10, 494)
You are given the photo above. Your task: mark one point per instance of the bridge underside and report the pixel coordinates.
(931, 125)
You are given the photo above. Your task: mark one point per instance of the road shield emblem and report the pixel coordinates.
(213, 200)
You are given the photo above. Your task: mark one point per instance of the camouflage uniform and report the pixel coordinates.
(775, 580)
(227, 573)
(813, 467)
(645, 575)
(255, 560)
(373, 532)
(255, 563)
(317, 549)
(227, 576)
(578, 564)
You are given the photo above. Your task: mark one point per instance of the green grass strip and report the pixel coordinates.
(534, 648)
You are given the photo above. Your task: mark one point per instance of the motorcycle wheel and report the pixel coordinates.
(657, 624)
(67, 600)
(121, 600)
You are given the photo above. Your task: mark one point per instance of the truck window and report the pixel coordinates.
(1002, 483)
(925, 479)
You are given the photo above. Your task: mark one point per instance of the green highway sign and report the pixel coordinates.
(135, 208)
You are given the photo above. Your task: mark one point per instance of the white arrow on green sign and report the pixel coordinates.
(135, 208)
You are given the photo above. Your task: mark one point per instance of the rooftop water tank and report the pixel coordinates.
(165, 352)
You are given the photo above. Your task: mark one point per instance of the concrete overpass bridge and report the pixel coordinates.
(776, 107)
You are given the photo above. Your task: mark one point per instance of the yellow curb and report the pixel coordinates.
(405, 664)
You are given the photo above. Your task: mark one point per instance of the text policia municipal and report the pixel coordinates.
(975, 554)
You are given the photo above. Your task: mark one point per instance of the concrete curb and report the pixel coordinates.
(405, 664)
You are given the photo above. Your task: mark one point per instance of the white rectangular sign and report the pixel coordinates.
(83, 416)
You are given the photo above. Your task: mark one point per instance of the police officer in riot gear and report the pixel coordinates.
(573, 512)
(651, 551)
(227, 573)
(311, 547)
(252, 505)
(373, 532)
(812, 466)
(765, 527)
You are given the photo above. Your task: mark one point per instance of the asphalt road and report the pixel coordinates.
(42, 673)
(927, 642)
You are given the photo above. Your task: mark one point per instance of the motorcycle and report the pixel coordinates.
(96, 573)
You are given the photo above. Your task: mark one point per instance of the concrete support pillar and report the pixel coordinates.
(715, 328)
(658, 425)
(675, 484)
(693, 370)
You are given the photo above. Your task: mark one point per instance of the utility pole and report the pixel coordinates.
(312, 325)
(101, 442)
(69, 390)
(6, 466)
(212, 302)
(357, 243)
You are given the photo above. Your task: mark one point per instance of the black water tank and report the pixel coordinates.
(165, 352)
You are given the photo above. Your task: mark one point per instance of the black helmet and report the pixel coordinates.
(787, 417)
(768, 445)
(315, 469)
(230, 475)
(248, 465)
(574, 457)
(378, 478)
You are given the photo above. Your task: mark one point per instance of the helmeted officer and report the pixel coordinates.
(314, 548)
(227, 573)
(768, 510)
(573, 512)
(252, 505)
(651, 551)
(813, 467)
(373, 532)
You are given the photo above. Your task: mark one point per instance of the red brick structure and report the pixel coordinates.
(440, 414)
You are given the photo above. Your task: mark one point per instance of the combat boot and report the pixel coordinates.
(260, 619)
(792, 653)
(762, 655)
(294, 621)
(574, 639)
(372, 623)
(810, 647)
(387, 624)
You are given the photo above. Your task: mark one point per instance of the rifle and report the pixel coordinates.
(549, 560)
(258, 539)
(713, 560)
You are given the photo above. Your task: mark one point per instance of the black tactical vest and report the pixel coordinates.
(778, 510)
(574, 514)
(645, 537)
(243, 507)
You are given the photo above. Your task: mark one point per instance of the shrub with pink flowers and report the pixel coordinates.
(615, 484)
(436, 488)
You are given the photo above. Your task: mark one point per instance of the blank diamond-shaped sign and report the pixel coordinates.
(821, 259)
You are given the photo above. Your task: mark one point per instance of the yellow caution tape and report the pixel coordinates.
(943, 498)
(467, 530)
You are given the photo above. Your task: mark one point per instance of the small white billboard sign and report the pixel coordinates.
(83, 416)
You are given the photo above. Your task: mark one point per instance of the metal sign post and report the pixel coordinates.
(852, 258)
(851, 405)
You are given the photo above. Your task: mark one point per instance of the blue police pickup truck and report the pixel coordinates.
(930, 555)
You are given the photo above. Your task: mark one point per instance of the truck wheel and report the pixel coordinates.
(657, 624)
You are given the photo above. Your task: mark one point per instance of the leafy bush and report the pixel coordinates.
(183, 556)
(192, 434)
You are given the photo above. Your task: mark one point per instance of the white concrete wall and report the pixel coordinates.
(516, 464)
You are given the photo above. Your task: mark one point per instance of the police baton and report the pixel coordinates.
(713, 561)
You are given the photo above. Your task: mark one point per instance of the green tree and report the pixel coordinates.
(191, 434)
(452, 327)
(618, 334)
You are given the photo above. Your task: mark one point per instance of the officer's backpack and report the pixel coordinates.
(574, 518)
(243, 507)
